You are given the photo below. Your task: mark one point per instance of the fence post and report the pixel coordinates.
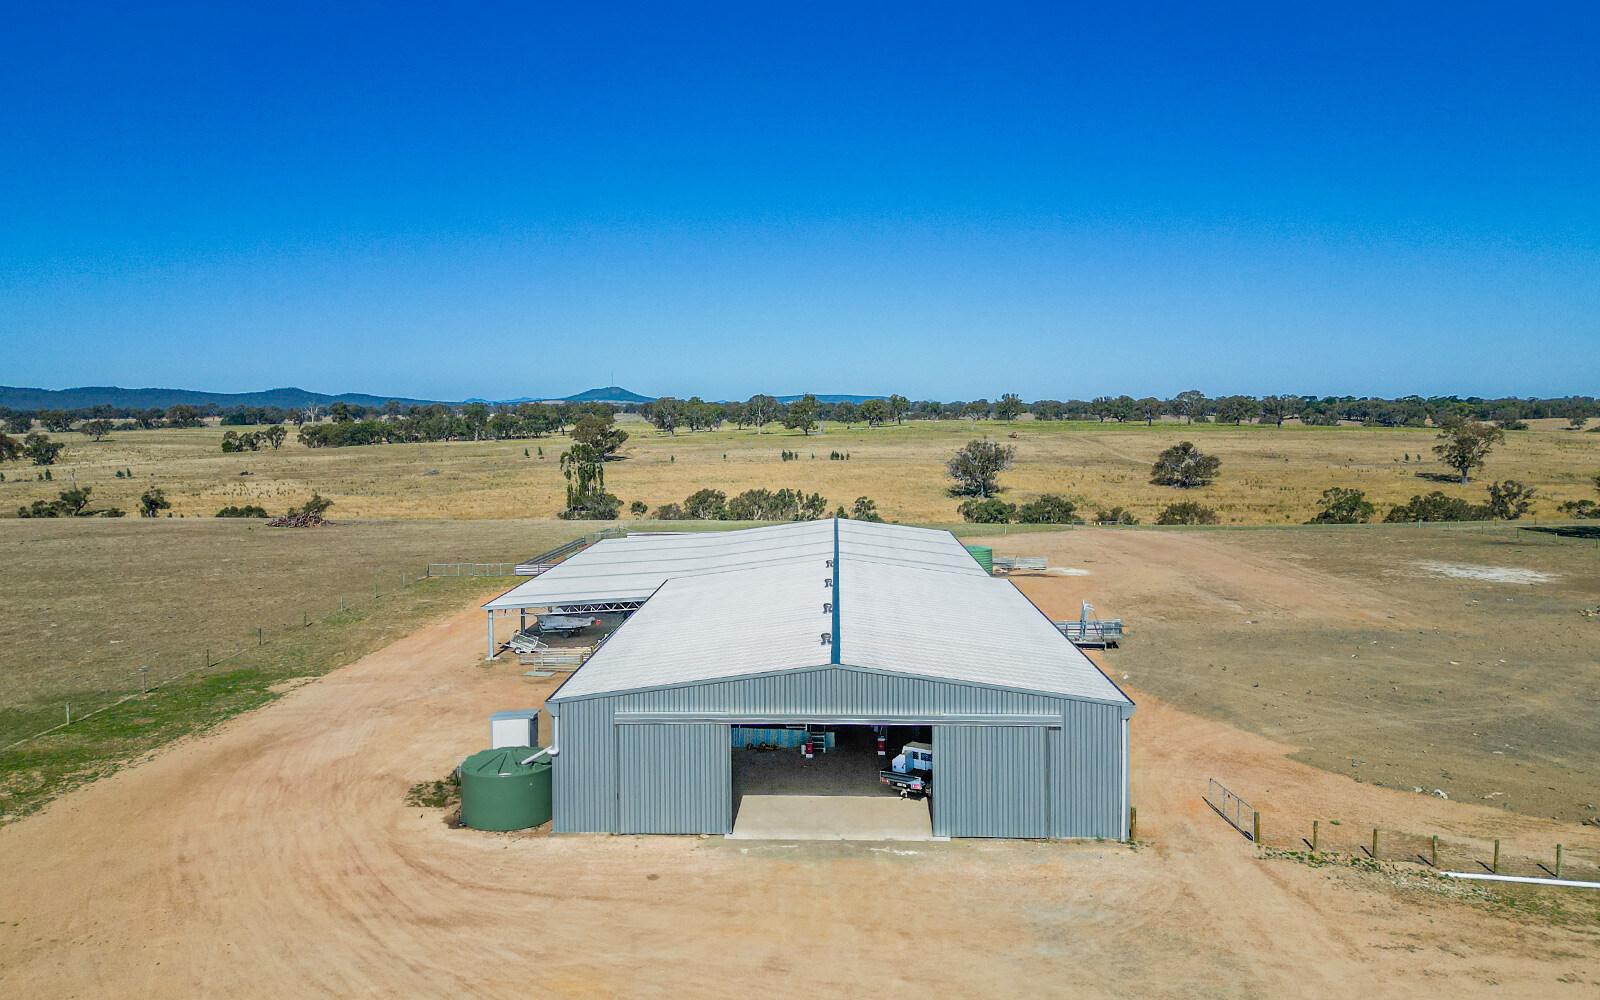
(1558, 861)
(1133, 823)
(1255, 836)
(208, 659)
(1435, 861)
(259, 637)
(1374, 843)
(69, 713)
(1316, 826)
(305, 619)
(1496, 868)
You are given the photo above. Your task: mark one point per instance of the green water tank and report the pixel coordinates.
(984, 554)
(499, 792)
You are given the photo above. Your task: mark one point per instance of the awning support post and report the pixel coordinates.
(491, 636)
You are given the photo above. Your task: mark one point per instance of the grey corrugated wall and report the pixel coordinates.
(1086, 773)
(674, 779)
(989, 781)
(838, 690)
(584, 778)
(1082, 785)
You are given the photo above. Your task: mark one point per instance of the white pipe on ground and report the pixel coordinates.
(1524, 879)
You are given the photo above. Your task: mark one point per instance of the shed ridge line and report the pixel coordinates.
(836, 569)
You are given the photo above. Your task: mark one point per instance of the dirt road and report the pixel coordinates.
(274, 857)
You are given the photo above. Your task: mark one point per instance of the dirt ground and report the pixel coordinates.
(1359, 649)
(275, 857)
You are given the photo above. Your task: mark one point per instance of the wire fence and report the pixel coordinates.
(1521, 855)
(534, 565)
(472, 569)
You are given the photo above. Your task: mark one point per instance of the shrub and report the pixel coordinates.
(990, 511)
(1580, 508)
(1509, 500)
(1186, 512)
(865, 509)
(153, 502)
(1343, 506)
(1184, 466)
(1118, 515)
(706, 505)
(249, 510)
(1050, 508)
(669, 512)
(638, 508)
(1435, 507)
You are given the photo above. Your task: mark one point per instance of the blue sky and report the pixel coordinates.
(948, 201)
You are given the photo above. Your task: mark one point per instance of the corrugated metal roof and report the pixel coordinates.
(907, 605)
(631, 569)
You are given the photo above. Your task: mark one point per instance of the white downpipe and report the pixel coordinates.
(554, 749)
(1524, 879)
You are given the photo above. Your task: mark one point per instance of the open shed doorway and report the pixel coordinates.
(835, 794)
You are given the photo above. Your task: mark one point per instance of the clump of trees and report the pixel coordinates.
(273, 436)
(1506, 501)
(977, 466)
(1184, 466)
(583, 465)
(1186, 512)
(751, 505)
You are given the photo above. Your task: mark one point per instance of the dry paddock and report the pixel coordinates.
(275, 857)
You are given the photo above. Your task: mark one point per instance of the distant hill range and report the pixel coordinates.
(18, 398)
(610, 394)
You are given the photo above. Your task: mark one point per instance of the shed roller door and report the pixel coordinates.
(674, 779)
(989, 781)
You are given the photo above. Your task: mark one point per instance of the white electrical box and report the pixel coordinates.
(518, 728)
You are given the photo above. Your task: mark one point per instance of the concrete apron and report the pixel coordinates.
(832, 817)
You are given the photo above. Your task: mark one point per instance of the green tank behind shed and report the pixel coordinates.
(985, 556)
(499, 792)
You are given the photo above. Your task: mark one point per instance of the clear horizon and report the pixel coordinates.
(930, 200)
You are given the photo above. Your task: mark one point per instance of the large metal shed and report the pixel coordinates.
(855, 624)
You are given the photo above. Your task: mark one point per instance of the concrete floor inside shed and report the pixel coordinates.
(780, 795)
